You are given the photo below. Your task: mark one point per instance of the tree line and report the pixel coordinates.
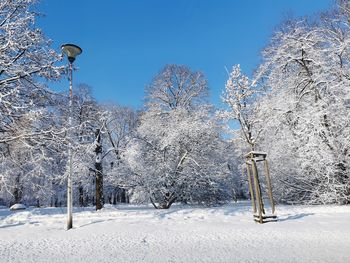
(178, 147)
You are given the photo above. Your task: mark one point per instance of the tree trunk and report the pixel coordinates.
(17, 191)
(165, 204)
(114, 196)
(81, 195)
(87, 200)
(122, 196)
(98, 172)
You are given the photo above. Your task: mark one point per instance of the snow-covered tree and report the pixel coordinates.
(240, 96)
(25, 60)
(242, 123)
(25, 57)
(306, 111)
(176, 86)
(118, 132)
(177, 153)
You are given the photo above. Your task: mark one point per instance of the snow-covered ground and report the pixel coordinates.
(128, 233)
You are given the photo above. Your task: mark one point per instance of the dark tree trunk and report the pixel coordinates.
(122, 196)
(87, 199)
(164, 204)
(114, 196)
(81, 195)
(98, 172)
(17, 191)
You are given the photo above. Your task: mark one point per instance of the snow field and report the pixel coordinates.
(129, 233)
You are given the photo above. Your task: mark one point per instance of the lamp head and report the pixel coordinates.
(71, 51)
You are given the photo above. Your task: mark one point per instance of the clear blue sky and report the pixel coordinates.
(126, 43)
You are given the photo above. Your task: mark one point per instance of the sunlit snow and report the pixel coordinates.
(130, 233)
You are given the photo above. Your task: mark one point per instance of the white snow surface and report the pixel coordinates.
(135, 233)
(18, 207)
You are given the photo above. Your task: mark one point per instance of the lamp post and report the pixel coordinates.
(71, 51)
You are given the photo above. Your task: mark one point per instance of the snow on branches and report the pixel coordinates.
(239, 95)
(305, 112)
(177, 154)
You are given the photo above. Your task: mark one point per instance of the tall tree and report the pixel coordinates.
(25, 60)
(176, 153)
(305, 112)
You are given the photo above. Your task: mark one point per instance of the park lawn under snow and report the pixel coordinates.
(130, 233)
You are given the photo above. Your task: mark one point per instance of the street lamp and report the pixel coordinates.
(71, 51)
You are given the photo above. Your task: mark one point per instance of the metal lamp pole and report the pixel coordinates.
(70, 153)
(71, 51)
